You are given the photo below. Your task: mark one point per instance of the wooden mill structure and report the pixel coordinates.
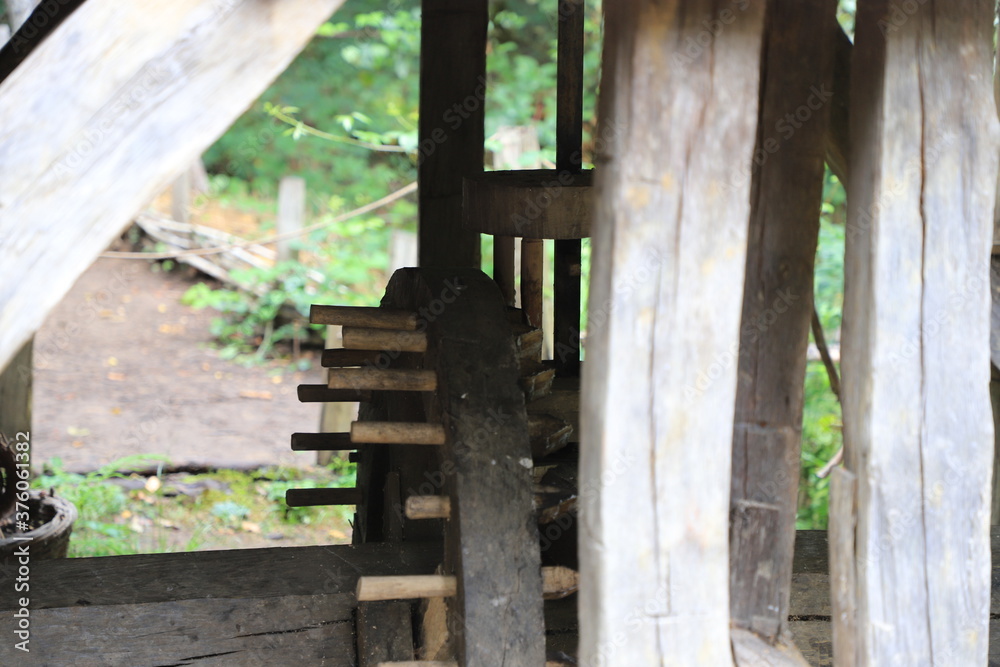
(635, 509)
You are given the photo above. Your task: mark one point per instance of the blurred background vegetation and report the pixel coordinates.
(344, 118)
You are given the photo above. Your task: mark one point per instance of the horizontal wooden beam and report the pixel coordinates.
(322, 497)
(129, 95)
(360, 316)
(398, 433)
(376, 379)
(390, 340)
(320, 393)
(535, 204)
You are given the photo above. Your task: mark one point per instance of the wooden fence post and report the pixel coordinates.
(918, 430)
(659, 385)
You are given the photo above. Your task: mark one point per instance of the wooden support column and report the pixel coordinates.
(452, 99)
(777, 308)
(918, 431)
(678, 109)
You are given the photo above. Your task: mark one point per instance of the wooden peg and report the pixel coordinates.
(343, 358)
(400, 433)
(317, 497)
(559, 582)
(322, 442)
(360, 316)
(406, 587)
(320, 393)
(382, 380)
(428, 507)
(356, 338)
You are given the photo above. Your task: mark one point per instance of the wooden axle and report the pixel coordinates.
(360, 316)
(391, 340)
(322, 442)
(319, 393)
(398, 433)
(557, 582)
(381, 380)
(428, 507)
(317, 497)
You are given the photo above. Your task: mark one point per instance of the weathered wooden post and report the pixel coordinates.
(918, 430)
(678, 117)
(291, 213)
(777, 307)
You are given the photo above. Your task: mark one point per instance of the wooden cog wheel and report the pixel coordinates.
(464, 444)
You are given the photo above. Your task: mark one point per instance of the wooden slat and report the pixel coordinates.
(375, 379)
(404, 587)
(450, 132)
(361, 316)
(530, 203)
(787, 191)
(341, 358)
(322, 442)
(923, 169)
(843, 570)
(130, 94)
(392, 341)
(670, 229)
(503, 267)
(16, 383)
(532, 258)
(320, 497)
(320, 393)
(398, 433)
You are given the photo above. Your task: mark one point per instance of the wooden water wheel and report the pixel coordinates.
(448, 452)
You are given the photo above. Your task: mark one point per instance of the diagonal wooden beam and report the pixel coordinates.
(918, 430)
(678, 112)
(106, 111)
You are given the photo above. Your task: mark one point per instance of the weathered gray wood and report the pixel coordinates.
(672, 195)
(843, 568)
(291, 214)
(385, 633)
(918, 432)
(786, 195)
(535, 204)
(451, 135)
(129, 95)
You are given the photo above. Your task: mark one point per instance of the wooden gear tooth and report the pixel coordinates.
(399, 433)
(320, 393)
(374, 379)
(321, 497)
(390, 340)
(428, 507)
(322, 442)
(557, 582)
(362, 316)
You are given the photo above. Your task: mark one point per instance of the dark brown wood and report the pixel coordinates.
(251, 606)
(320, 393)
(319, 497)
(532, 259)
(385, 633)
(838, 137)
(489, 480)
(530, 203)
(504, 272)
(362, 316)
(450, 133)
(390, 340)
(923, 168)
(342, 358)
(786, 194)
(15, 394)
(322, 442)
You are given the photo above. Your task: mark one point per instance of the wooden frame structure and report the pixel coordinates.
(717, 118)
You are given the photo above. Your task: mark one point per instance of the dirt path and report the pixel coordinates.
(121, 368)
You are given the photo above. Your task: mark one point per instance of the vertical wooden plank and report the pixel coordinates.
(918, 431)
(291, 214)
(503, 267)
(673, 192)
(452, 98)
(786, 195)
(569, 157)
(843, 573)
(532, 257)
(16, 392)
